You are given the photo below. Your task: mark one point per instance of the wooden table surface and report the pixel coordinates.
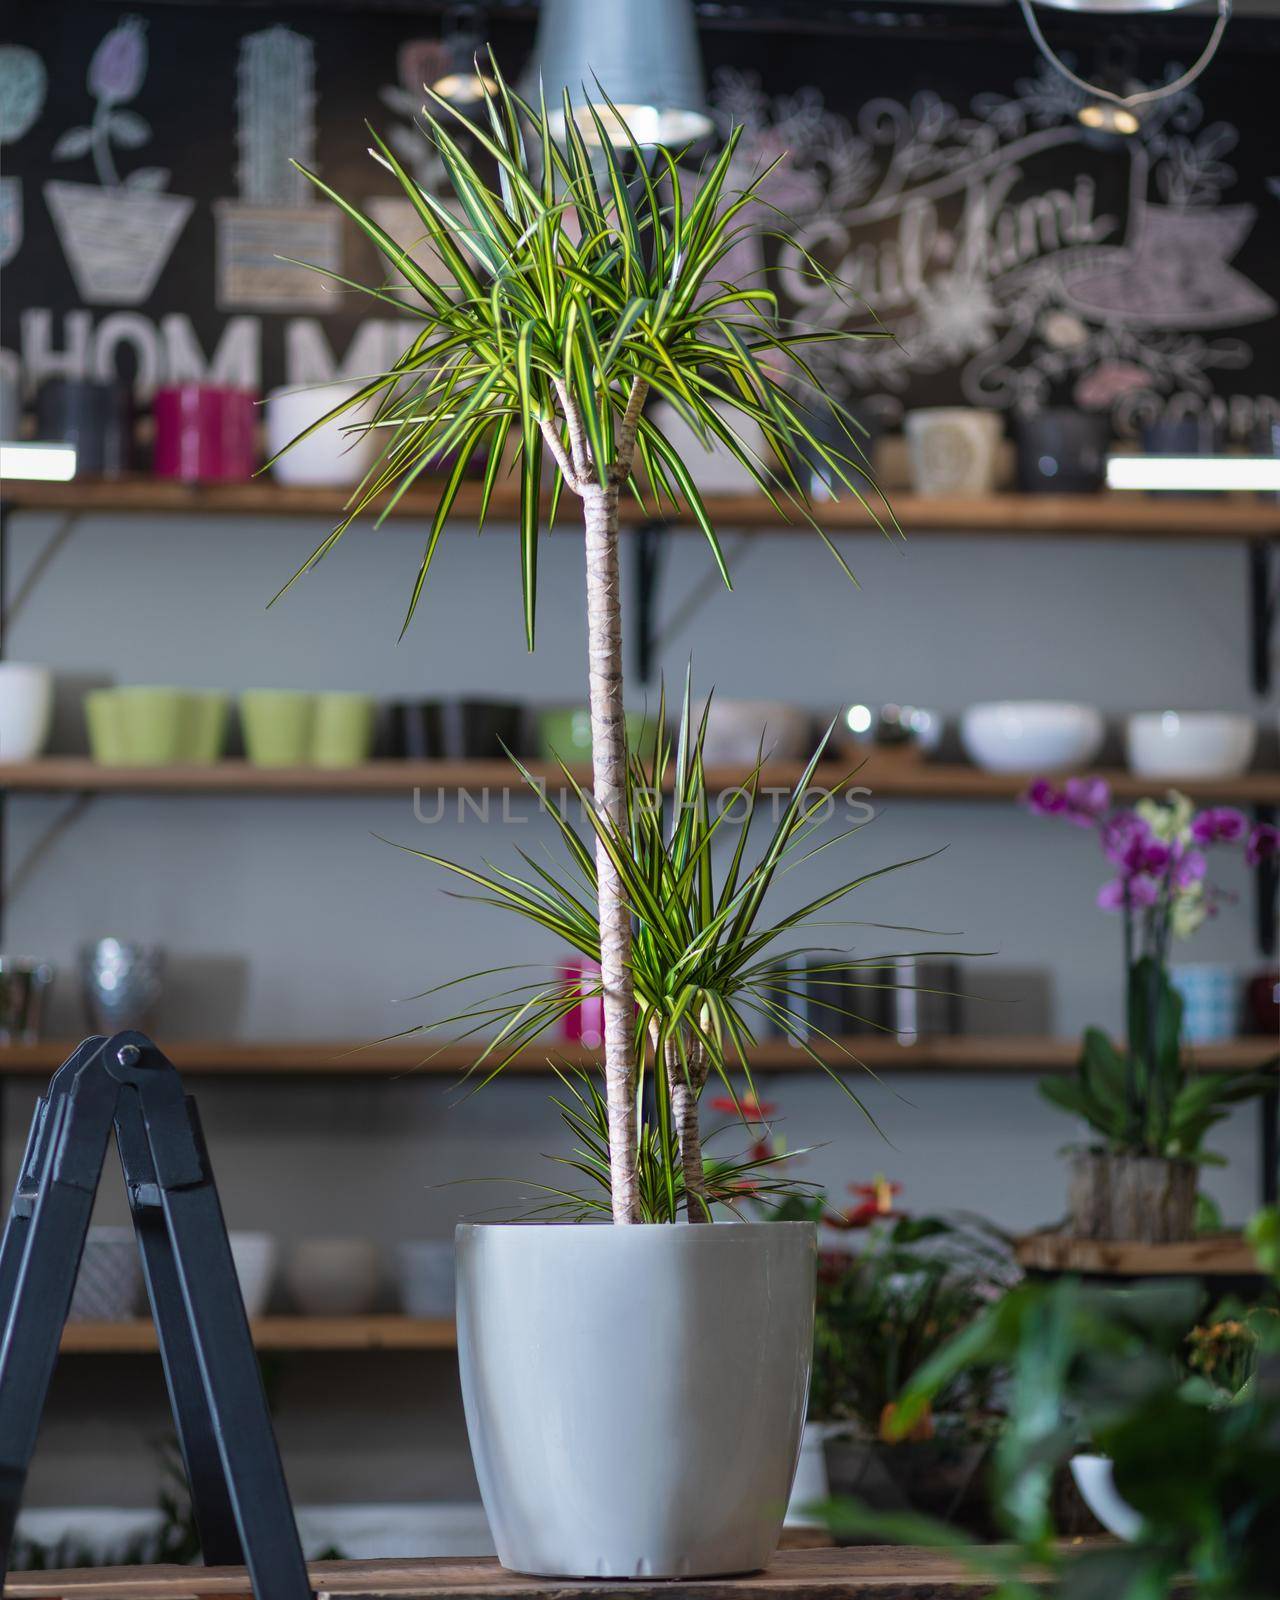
(876, 1572)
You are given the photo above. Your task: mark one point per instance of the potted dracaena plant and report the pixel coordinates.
(610, 1442)
(1147, 1110)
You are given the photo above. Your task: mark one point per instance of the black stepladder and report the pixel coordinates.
(238, 1491)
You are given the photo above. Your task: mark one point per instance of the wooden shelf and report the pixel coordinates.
(1217, 1255)
(277, 1333)
(970, 1053)
(885, 775)
(1102, 515)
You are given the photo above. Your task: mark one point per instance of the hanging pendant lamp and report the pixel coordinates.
(642, 53)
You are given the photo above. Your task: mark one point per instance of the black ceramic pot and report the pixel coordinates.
(456, 730)
(1182, 436)
(1061, 451)
(95, 417)
(835, 1008)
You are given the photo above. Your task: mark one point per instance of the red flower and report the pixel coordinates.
(747, 1107)
(876, 1204)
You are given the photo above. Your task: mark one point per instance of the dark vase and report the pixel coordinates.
(1061, 451)
(97, 418)
(456, 730)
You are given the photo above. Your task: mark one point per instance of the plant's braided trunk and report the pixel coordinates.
(686, 1087)
(608, 770)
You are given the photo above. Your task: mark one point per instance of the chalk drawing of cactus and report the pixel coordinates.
(275, 214)
(116, 234)
(23, 83)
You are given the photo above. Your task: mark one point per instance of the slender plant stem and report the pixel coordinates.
(608, 771)
(685, 1079)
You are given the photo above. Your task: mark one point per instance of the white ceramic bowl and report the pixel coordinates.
(1095, 1479)
(329, 456)
(254, 1255)
(109, 1285)
(425, 1272)
(1190, 744)
(26, 709)
(735, 729)
(333, 1277)
(1030, 736)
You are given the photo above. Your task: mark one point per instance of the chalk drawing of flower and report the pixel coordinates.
(957, 314)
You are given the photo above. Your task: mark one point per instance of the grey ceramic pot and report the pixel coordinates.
(635, 1396)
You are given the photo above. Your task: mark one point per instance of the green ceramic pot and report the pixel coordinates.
(277, 726)
(154, 724)
(206, 731)
(342, 730)
(565, 732)
(106, 735)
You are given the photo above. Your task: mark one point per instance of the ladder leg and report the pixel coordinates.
(234, 1395)
(77, 1131)
(210, 1500)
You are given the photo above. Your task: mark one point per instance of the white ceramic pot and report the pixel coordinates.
(332, 455)
(425, 1273)
(254, 1255)
(1095, 1479)
(953, 450)
(1190, 744)
(1030, 736)
(735, 729)
(109, 1284)
(333, 1277)
(634, 1396)
(26, 709)
(811, 1486)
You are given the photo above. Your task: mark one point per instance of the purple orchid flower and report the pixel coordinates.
(1218, 825)
(1263, 844)
(1044, 799)
(1087, 800)
(1189, 867)
(1136, 892)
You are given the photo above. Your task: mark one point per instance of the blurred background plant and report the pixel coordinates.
(1186, 1412)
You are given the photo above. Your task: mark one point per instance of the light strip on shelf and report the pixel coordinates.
(37, 463)
(1181, 473)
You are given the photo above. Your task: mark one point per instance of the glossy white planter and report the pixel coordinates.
(634, 1396)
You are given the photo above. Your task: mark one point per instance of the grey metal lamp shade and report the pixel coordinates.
(643, 53)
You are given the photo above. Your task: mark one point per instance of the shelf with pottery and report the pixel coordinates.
(296, 1333)
(1214, 1255)
(409, 1057)
(900, 776)
(1105, 515)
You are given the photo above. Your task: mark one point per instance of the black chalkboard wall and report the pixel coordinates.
(146, 195)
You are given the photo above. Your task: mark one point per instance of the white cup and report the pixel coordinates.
(332, 456)
(26, 707)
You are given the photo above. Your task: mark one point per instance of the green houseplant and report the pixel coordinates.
(1148, 1112)
(580, 289)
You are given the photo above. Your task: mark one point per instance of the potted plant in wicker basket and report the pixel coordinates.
(634, 1393)
(1148, 1111)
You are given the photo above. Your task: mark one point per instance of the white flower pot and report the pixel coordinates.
(634, 1396)
(254, 1255)
(735, 729)
(116, 241)
(1096, 1481)
(333, 1277)
(109, 1283)
(26, 708)
(331, 456)
(713, 467)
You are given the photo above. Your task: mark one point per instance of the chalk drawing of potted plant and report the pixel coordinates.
(275, 214)
(23, 81)
(418, 62)
(116, 234)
